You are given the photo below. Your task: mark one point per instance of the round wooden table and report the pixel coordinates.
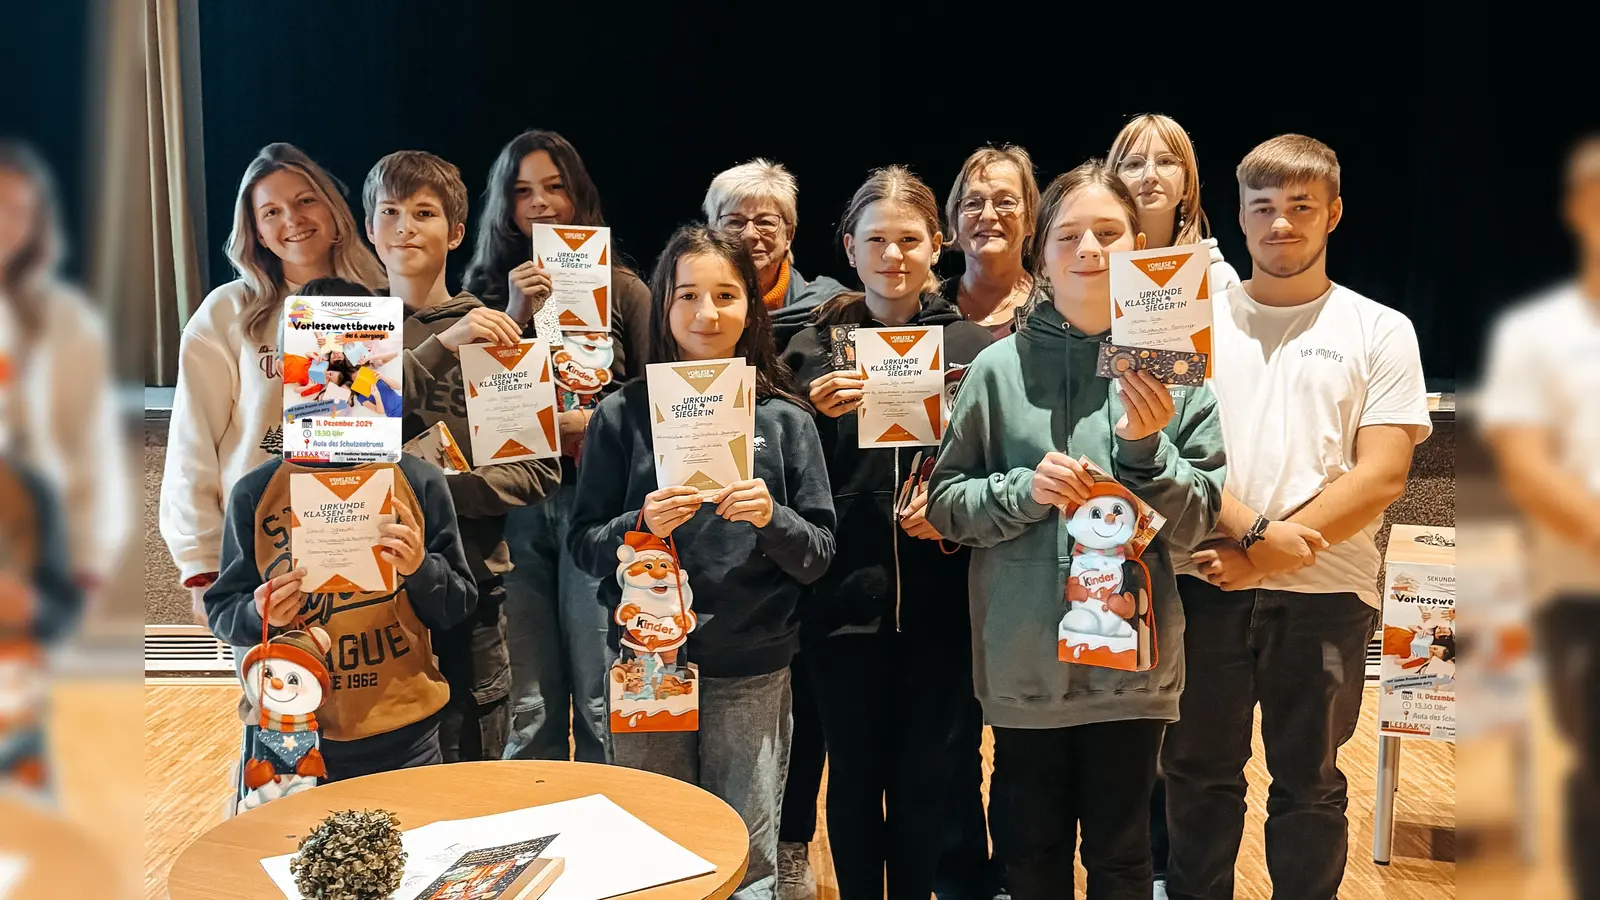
(60, 860)
(225, 862)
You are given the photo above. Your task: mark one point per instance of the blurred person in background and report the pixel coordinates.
(60, 404)
(1539, 407)
(290, 225)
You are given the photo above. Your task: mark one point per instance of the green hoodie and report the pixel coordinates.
(1024, 396)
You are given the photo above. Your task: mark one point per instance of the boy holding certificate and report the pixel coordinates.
(416, 208)
(749, 549)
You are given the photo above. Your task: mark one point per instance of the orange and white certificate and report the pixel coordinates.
(511, 402)
(1161, 300)
(702, 422)
(578, 260)
(337, 520)
(902, 404)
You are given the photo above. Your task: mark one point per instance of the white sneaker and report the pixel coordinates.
(795, 881)
(1160, 893)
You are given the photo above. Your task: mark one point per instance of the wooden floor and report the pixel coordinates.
(191, 735)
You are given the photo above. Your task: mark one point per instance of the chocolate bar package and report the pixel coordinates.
(1166, 366)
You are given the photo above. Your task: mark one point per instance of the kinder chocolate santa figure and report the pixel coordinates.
(285, 682)
(1097, 621)
(582, 365)
(655, 612)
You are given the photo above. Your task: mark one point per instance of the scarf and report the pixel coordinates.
(275, 722)
(773, 299)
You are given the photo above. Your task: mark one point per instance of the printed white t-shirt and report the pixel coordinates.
(1293, 387)
(1544, 370)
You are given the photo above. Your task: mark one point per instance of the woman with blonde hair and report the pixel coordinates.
(1155, 159)
(290, 225)
(989, 214)
(58, 412)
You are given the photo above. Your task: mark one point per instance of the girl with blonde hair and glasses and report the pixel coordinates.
(290, 225)
(1155, 159)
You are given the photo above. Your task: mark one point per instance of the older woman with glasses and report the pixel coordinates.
(989, 215)
(755, 202)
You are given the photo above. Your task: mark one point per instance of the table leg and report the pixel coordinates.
(1383, 807)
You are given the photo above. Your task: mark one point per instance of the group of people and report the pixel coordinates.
(834, 623)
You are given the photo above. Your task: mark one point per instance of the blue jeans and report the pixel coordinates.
(556, 635)
(740, 753)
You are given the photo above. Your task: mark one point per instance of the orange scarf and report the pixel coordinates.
(773, 299)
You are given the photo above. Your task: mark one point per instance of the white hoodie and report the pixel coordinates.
(1221, 275)
(64, 421)
(226, 419)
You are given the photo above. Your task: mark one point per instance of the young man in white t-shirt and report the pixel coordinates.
(1540, 409)
(1322, 400)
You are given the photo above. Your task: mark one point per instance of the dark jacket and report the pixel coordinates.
(34, 546)
(473, 655)
(881, 578)
(800, 302)
(746, 580)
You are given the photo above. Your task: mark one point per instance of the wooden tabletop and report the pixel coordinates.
(225, 862)
(61, 860)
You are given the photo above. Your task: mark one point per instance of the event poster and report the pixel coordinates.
(337, 519)
(902, 404)
(1161, 300)
(511, 402)
(702, 422)
(578, 260)
(1417, 671)
(342, 400)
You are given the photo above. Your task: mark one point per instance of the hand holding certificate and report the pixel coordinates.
(702, 423)
(1161, 300)
(511, 399)
(337, 532)
(903, 400)
(578, 260)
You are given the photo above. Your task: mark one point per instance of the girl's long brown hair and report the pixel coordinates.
(1193, 226)
(895, 184)
(773, 378)
(1091, 173)
(29, 273)
(260, 270)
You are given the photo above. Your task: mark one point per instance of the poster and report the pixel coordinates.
(902, 404)
(341, 379)
(1417, 671)
(337, 516)
(511, 402)
(1161, 300)
(578, 260)
(702, 422)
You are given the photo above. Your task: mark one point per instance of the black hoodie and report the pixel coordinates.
(881, 578)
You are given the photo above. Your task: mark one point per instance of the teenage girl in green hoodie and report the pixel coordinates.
(1075, 745)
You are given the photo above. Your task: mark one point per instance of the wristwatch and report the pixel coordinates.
(1256, 533)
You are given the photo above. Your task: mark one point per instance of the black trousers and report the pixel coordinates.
(1569, 633)
(808, 753)
(1303, 658)
(471, 732)
(404, 748)
(889, 706)
(967, 871)
(1054, 781)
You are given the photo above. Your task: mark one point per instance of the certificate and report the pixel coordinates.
(578, 260)
(336, 523)
(511, 402)
(702, 422)
(902, 404)
(1161, 300)
(341, 379)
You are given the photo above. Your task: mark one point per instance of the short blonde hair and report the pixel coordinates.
(1583, 163)
(1289, 159)
(758, 179)
(981, 160)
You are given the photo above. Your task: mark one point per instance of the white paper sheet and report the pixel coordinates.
(591, 829)
(12, 868)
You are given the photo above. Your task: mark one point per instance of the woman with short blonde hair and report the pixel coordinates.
(989, 218)
(756, 202)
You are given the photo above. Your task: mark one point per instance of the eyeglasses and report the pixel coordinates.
(1135, 166)
(766, 226)
(972, 207)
